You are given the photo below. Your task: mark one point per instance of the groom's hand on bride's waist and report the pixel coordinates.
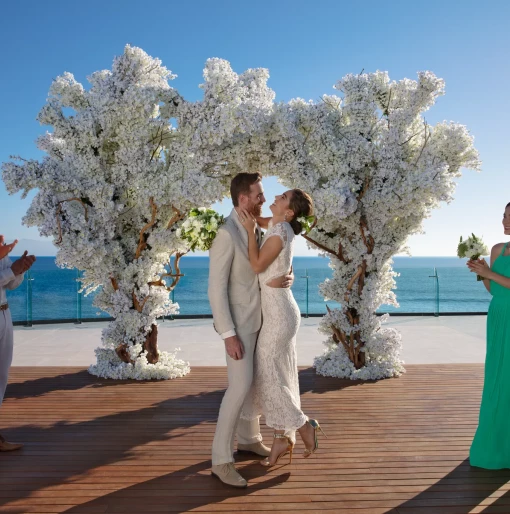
(288, 280)
(234, 347)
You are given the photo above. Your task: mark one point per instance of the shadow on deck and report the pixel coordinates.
(93, 445)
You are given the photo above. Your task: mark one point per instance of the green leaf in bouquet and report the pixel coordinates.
(462, 249)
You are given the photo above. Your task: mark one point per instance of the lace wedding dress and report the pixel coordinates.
(275, 388)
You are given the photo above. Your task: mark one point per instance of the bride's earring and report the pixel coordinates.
(285, 217)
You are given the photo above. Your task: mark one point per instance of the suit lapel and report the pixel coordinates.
(240, 229)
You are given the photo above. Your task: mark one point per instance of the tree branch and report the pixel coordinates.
(177, 217)
(308, 134)
(361, 282)
(370, 243)
(141, 242)
(407, 140)
(364, 189)
(351, 284)
(59, 211)
(339, 337)
(339, 254)
(139, 305)
(159, 143)
(175, 275)
(426, 140)
(387, 109)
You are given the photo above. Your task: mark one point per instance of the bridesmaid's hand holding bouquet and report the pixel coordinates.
(473, 248)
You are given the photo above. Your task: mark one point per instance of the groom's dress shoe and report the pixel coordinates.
(228, 474)
(258, 448)
(6, 446)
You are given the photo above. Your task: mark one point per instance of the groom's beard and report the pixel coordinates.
(256, 210)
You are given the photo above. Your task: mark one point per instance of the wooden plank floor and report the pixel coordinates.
(397, 446)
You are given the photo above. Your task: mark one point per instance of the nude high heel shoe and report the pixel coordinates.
(289, 450)
(316, 427)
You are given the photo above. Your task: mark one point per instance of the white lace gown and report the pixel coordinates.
(275, 388)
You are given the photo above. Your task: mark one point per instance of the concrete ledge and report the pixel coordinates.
(426, 340)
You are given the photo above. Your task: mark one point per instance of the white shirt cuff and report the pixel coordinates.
(6, 276)
(230, 333)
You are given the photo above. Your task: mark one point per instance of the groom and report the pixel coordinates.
(234, 294)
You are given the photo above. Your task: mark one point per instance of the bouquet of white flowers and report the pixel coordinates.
(472, 248)
(200, 228)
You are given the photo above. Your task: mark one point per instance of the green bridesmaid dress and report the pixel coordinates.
(491, 445)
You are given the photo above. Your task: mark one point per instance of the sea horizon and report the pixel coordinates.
(52, 292)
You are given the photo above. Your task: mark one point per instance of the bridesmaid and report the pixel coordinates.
(491, 445)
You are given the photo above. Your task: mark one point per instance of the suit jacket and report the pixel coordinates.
(234, 292)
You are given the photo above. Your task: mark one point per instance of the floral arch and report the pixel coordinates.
(133, 157)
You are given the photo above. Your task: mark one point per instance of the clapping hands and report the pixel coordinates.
(6, 249)
(24, 263)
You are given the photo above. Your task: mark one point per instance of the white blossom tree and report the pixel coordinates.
(125, 161)
(375, 169)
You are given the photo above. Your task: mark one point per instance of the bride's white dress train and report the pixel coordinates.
(275, 389)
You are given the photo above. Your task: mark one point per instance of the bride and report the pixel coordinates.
(275, 388)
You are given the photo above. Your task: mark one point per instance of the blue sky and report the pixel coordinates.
(307, 47)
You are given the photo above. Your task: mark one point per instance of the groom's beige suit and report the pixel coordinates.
(234, 294)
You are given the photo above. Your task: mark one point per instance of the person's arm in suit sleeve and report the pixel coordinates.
(8, 279)
(221, 256)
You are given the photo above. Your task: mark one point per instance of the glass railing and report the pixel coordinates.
(53, 294)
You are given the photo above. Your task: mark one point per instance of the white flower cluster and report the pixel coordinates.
(386, 363)
(110, 366)
(375, 170)
(119, 174)
(200, 229)
(472, 248)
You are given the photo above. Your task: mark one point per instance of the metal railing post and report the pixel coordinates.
(78, 298)
(307, 277)
(172, 296)
(28, 279)
(436, 288)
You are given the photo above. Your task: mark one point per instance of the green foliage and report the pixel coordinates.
(200, 228)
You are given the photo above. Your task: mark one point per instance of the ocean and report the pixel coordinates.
(54, 290)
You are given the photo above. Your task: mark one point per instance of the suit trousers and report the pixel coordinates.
(6, 349)
(240, 376)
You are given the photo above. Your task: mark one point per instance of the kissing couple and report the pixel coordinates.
(257, 317)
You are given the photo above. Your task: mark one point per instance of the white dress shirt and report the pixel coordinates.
(7, 278)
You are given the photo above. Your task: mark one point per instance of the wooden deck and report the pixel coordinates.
(396, 446)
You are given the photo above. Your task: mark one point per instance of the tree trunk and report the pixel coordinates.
(151, 345)
(123, 353)
(351, 340)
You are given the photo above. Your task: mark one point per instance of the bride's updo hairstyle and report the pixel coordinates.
(301, 204)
